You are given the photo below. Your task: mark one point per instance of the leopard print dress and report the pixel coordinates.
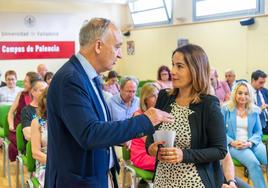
(181, 174)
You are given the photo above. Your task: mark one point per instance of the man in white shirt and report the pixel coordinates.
(9, 92)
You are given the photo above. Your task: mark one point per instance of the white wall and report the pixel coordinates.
(76, 12)
(227, 43)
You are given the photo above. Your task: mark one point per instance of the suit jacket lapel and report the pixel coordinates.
(91, 92)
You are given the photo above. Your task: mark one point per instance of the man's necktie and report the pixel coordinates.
(259, 103)
(99, 88)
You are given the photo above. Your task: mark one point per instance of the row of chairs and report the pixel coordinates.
(24, 157)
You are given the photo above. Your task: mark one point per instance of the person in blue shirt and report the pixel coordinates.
(124, 104)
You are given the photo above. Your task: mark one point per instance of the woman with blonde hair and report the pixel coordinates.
(200, 140)
(138, 154)
(39, 138)
(244, 132)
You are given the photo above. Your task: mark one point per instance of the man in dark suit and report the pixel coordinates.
(258, 79)
(80, 134)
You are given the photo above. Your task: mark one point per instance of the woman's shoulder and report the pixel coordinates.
(208, 99)
(164, 97)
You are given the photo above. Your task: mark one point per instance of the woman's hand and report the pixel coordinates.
(154, 147)
(238, 144)
(232, 185)
(170, 155)
(11, 128)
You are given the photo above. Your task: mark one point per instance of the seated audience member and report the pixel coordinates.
(138, 154)
(14, 115)
(163, 78)
(42, 70)
(258, 79)
(111, 84)
(48, 77)
(244, 132)
(221, 88)
(230, 78)
(124, 104)
(1, 82)
(9, 92)
(39, 139)
(28, 113)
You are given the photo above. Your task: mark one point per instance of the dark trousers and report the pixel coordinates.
(265, 130)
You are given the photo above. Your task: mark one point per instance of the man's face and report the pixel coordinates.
(230, 78)
(110, 49)
(42, 70)
(11, 81)
(128, 91)
(259, 83)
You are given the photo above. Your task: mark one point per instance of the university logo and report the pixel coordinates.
(29, 21)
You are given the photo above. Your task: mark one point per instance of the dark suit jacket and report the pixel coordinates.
(78, 136)
(264, 92)
(208, 139)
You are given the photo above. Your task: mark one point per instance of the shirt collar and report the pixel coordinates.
(90, 71)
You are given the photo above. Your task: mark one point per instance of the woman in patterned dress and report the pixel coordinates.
(200, 135)
(39, 139)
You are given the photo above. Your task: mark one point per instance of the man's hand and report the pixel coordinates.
(158, 116)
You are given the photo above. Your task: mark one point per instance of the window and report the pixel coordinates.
(150, 12)
(214, 9)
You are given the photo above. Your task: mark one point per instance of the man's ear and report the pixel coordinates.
(98, 45)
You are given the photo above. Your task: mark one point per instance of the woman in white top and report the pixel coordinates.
(244, 132)
(9, 92)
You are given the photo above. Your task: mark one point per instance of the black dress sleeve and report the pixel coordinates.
(216, 148)
(27, 115)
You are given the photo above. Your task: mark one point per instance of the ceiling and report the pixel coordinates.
(108, 1)
(122, 2)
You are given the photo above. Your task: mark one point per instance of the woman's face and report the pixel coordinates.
(48, 80)
(27, 83)
(150, 101)
(242, 95)
(181, 76)
(38, 89)
(164, 75)
(113, 80)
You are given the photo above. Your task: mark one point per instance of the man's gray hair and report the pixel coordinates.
(124, 80)
(95, 29)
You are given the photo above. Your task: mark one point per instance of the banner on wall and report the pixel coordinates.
(38, 35)
(36, 50)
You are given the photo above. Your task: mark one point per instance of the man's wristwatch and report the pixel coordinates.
(233, 180)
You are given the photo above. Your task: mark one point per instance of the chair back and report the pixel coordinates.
(4, 109)
(20, 83)
(29, 156)
(125, 153)
(20, 139)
